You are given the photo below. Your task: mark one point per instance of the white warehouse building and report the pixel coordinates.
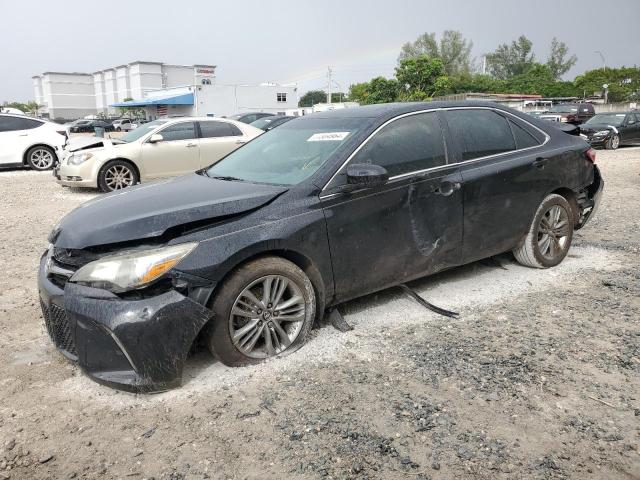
(65, 95)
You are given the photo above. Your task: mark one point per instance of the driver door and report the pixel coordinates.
(409, 227)
(177, 153)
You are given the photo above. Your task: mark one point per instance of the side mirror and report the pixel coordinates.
(155, 138)
(366, 176)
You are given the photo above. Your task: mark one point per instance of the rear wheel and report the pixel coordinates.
(41, 158)
(613, 143)
(116, 175)
(264, 309)
(549, 236)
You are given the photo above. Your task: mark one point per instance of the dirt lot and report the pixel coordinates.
(539, 378)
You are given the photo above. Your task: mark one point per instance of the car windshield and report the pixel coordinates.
(142, 130)
(288, 154)
(564, 109)
(262, 122)
(614, 119)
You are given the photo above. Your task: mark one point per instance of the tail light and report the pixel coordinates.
(571, 118)
(591, 155)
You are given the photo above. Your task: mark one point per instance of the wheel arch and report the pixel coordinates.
(25, 160)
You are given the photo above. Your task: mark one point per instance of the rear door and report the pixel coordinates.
(505, 177)
(632, 129)
(175, 155)
(217, 139)
(405, 229)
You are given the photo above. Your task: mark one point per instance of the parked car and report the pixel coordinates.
(30, 142)
(86, 126)
(575, 113)
(120, 123)
(162, 148)
(325, 208)
(610, 130)
(269, 123)
(536, 113)
(249, 117)
(135, 123)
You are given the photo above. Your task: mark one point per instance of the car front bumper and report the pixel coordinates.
(132, 345)
(82, 175)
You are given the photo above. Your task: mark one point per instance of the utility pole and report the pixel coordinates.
(329, 84)
(604, 64)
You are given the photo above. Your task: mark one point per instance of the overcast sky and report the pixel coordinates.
(255, 41)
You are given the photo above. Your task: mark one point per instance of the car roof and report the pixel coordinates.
(393, 109)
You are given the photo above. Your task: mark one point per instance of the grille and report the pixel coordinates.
(58, 328)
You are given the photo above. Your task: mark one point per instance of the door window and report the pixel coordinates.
(215, 129)
(631, 119)
(12, 124)
(179, 131)
(406, 145)
(480, 132)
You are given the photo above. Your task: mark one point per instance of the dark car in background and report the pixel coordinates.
(575, 113)
(611, 130)
(85, 126)
(249, 117)
(248, 253)
(269, 123)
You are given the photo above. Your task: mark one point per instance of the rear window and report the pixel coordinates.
(214, 129)
(480, 132)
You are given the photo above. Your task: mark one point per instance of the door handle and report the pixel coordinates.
(23, 135)
(540, 162)
(240, 142)
(446, 188)
(189, 145)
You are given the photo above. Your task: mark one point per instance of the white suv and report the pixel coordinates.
(30, 141)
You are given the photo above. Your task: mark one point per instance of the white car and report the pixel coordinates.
(30, 142)
(162, 148)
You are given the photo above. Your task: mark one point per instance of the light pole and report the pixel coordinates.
(604, 65)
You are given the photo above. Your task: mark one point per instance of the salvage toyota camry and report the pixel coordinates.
(249, 252)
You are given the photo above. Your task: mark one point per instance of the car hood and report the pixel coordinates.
(148, 211)
(595, 127)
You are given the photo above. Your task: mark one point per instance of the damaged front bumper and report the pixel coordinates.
(132, 345)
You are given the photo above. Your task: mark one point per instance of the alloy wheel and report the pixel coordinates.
(118, 176)
(615, 142)
(267, 316)
(41, 159)
(553, 232)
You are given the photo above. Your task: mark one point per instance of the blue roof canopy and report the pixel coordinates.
(180, 99)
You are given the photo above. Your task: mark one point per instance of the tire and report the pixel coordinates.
(117, 174)
(41, 158)
(231, 297)
(613, 143)
(118, 129)
(538, 252)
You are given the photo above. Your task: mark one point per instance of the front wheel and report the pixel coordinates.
(613, 143)
(41, 158)
(264, 309)
(549, 236)
(116, 175)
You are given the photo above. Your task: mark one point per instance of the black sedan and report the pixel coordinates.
(269, 123)
(85, 126)
(611, 130)
(251, 251)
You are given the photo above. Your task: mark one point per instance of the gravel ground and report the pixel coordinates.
(538, 378)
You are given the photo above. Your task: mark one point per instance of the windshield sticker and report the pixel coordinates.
(328, 137)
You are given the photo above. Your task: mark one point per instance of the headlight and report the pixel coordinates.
(78, 158)
(602, 133)
(120, 273)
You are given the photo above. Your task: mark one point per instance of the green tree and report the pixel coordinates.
(422, 77)
(539, 79)
(313, 97)
(623, 83)
(559, 61)
(509, 60)
(453, 50)
(132, 112)
(378, 90)
(477, 83)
